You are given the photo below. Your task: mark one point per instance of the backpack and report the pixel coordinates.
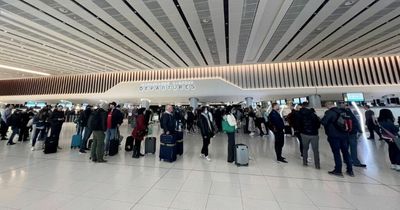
(343, 122)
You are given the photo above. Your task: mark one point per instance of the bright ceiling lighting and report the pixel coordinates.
(24, 70)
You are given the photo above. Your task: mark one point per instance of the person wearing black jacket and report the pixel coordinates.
(97, 122)
(338, 140)
(293, 122)
(206, 129)
(56, 119)
(308, 126)
(83, 118)
(386, 121)
(114, 120)
(24, 132)
(353, 136)
(168, 123)
(15, 122)
(278, 126)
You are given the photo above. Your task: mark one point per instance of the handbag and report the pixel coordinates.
(227, 128)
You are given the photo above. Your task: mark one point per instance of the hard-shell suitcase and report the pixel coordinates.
(167, 148)
(150, 145)
(241, 155)
(114, 147)
(129, 144)
(179, 147)
(50, 145)
(76, 141)
(288, 130)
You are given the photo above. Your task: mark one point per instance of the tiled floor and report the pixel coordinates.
(68, 180)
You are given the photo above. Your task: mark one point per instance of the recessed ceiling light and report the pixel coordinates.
(63, 10)
(210, 39)
(101, 33)
(23, 70)
(205, 20)
(350, 2)
(320, 28)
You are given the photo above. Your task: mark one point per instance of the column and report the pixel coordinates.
(249, 101)
(144, 103)
(314, 101)
(194, 103)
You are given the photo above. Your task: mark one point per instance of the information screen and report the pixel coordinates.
(296, 100)
(283, 102)
(303, 99)
(353, 97)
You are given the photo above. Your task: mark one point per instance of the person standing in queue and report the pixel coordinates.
(168, 123)
(87, 132)
(230, 132)
(114, 120)
(338, 139)
(277, 126)
(206, 129)
(56, 119)
(139, 132)
(372, 123)
(97, 123)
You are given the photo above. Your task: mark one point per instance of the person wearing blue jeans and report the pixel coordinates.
(114, 120)
(338, 140)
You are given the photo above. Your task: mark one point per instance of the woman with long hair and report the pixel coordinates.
(139, 132)
(386, 121)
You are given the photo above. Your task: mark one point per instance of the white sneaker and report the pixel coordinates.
(252, 134)
(202, 156)
(33, 149)
(207, 158)
(397, 167)
(393, 166)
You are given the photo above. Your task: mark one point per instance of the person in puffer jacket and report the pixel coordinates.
(309, 123)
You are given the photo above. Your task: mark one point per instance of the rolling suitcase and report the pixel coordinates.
(76, 141)
(288, 130)
(150, 145)
(114, 147)
(50, 145)
(129, 144)
(167, 148)
(241, 155)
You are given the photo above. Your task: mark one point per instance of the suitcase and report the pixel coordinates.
(50, 145)
(150, 145)
(179, 147)
(241, 155)
(129, 144)
(76, 141)
(288, 130)
(114, 147)
(167, 148)
(167, 139)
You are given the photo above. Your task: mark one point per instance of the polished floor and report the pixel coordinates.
(68, 180)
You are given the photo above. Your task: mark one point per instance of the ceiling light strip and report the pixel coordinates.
(89, 36)
(301, 28)
(119, 32)
(24, 70)
(348, 21)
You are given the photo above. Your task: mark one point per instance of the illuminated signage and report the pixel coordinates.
(168, 86)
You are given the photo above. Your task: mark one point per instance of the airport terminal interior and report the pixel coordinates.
(199, 104)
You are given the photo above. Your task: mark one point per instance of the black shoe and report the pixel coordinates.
(141, 155)
(350, 173)
(360, 165)
(282, 160)
(230, 161)
(82, 151)
(10, 143)
(102, 161)
(317, 167)
(86, 149)
(340, 174)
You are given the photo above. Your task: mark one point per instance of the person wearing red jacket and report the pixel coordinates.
(139, 132)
